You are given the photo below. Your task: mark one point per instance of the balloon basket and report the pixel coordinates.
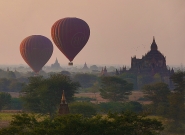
(70, 63)
(36, 74)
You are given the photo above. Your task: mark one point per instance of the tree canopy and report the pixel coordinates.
(42, 95)
(156, 92)
(114, 88)
(5, 99)
(85, 80)
(112, 124)
(87, 109)
(176, 101)
(10, 85)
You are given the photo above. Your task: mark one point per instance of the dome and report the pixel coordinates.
(154, 53)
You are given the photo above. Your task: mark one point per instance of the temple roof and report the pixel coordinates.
(154, 53)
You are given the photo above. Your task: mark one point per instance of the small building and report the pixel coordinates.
(64, 109)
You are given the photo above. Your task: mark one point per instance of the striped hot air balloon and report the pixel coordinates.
(70, 35)
(36, 50)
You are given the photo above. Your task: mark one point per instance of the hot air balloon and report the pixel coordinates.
(70, 35)
(36, 50)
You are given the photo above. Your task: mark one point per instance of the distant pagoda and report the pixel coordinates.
(85, 67)
(64, 109)
(104, 72)
(56, 65)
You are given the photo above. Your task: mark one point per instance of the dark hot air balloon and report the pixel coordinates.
(70, 35)
(36, 50)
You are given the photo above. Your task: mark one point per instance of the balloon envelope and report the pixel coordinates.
(36, 50)
(70, 35)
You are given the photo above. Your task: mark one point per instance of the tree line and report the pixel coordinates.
(42, 95)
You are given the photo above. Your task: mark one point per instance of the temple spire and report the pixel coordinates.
(56, 61)
(154, 45)
(63, 100)
(64, 109)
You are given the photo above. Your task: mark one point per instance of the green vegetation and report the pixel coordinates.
(87, 109)
(176, 104)
(5, 99)
(130, 77)
(6, 116)
(114, 88)
(85, 80)
(118, 107)
(125, 123)
(84, 99)
(157, 93)
(169, 104)
(43, 95)
(13, 85)
(16, 104)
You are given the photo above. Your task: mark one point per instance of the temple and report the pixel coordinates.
(64, 109)
(151, 64)
(56, 65)
(85, 67)
(104, 72)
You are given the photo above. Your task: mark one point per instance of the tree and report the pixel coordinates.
(43, 95)
(130, 77)
(16, 104)
(178, 79)
(5, 99)
(113, 107)
(176, 103)
(114, 88)
(176, 99)
(112, 124)
(157, 93)
(10, 75)
(65, 73)
(132, 106)
(10, 85)
(94, 89)
(15, 85)
(85, 80)
(119, 107)
(87, 109)
(4, 83)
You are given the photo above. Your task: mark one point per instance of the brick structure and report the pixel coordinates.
(64, 109)
(152, 63)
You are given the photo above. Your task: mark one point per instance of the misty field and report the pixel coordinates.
(135, 96)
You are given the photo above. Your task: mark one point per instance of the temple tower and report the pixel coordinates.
(64, 109)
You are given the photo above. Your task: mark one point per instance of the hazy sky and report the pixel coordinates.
(120, 29)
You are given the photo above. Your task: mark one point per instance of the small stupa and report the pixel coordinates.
(64, 109)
